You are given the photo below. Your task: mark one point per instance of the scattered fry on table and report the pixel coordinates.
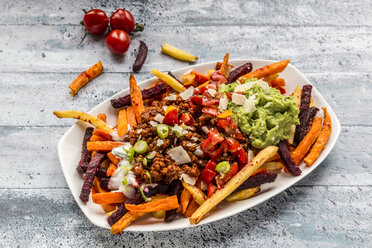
(85, 77)
(321, 141)
(177, 53)
(122, 122)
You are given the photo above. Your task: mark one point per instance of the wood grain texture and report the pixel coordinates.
(329, 41)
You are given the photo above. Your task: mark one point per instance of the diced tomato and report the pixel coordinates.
(229, 95)
(219, 181)
(238, 135)
(207, 146)
(203, 89)
(208, 100)
(282, 90)
(242, 155)
(216, 153)
(217, 78)
(211, 189)
(186, 119)
(171, 118)
(234, 145)
(212, 86)
(233, 170)
(207, 176)
(225, 146)
(228, 125)
(211, 165)
(196, 99)
(215, 136)
(210, 111)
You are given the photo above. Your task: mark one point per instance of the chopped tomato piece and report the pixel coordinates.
(211, 189)
(211, 165)
(196, 99)
(233, 170)
(207, 176)
(216, 153)
(234, 145)
(215, 136)
(210, 111)
(208, 100)
(171, 118)
(238, 135)
(186, 119)
(217, 78)
(229, 95)
(207, 146)
(225, 146)
(219, 181)
(242, 156)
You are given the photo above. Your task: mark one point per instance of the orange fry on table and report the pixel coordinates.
(125, 221)
(321, 141)
(102, 117)
(111, 169)
(102, 133)
(224, 66)
(85, 77)
(299, 153)
(267, 70)
(108, 197)
(103, 146)
(122, 123)
(165, 204)
(192, 207)
(97, 138)
(136, 98)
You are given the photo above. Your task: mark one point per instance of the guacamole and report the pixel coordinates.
(263, 113)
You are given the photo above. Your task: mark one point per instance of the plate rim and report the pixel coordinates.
(336, 130)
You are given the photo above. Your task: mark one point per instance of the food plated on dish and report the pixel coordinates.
(189, 140)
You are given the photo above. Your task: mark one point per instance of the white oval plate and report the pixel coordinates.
(69, 150)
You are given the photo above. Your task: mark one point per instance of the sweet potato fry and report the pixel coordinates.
(125, 221)
(233, 183)
(243, 194)
(108, 197)
(114, 159)
(224, 66)
(165, 204)
(196, 193)
(189, 79)
(102, 133)
(103, 146)
(111, 169)
(267, 70)
(177, 53)
(91, 119)
(136, 98)
(185, 200)
(85, 77)
(131, 116)
(122, 123)
(321, 141)
(97, 138)
(168, 80)
(102, 117)
(299, 153)
(278, 82)
(192, 207)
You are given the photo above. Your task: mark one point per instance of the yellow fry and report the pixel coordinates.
(196, 193)
(224, 66)
(85, 77)
(243, 194)
(125, 221)
(177, 53)
(91, 119)
(234, 183)
(270, 166)
(168, 80)
(321, 141)
(136, 98)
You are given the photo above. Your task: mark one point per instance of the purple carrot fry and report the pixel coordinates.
(175, 189)
(306, 119)
(238, 72)
(90, 174)
(287, 159)
(257, 180)
(104, 182)
(305, 97)
(101, 172)
(141, 57)
(85, 154)
(146, 94)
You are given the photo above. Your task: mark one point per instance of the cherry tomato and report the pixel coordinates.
(207, 175)
(96, 21)
(215, 136)
(211, 189)
(118, 41)
(122, 19)
(171, 118)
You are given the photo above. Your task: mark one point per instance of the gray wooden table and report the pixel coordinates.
(329, 41)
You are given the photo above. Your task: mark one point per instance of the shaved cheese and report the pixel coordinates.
(238, 99)
(249, 106)
(193, 138)
(212, 92)
(203, 186)
(187, 179)
(250, 155)
(165, 108)
(187, 93)
(198, 152)
(139, 130)
(243, 87)
(153, 123)
(115, 136)
(223, 104)
(179, 155)
(171, 97)
(159, 142)
(205, 129)
(159, 118)
(264, 85)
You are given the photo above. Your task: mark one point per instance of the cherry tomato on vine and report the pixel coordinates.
(96, 21)
(118, 41)
(122, 19)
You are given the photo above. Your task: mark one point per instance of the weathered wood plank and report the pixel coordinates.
(29, 159)
(312, 49)
(193, 12)
(31, 98)
(50, 218)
